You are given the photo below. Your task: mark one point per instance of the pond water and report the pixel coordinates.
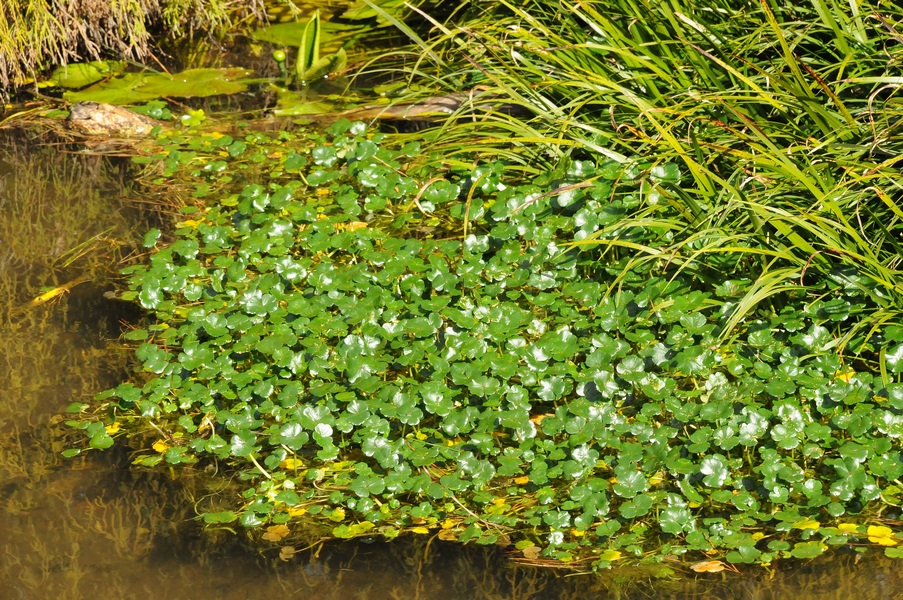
(92, 527)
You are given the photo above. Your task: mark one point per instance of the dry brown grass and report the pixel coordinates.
(36, 35)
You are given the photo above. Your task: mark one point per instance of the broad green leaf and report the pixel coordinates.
(134, 88)
(78, 75)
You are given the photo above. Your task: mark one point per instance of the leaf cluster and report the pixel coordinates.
(376, 353)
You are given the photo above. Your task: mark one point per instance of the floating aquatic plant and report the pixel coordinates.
(368, 352)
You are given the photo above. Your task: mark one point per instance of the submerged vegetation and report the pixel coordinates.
(649, 308)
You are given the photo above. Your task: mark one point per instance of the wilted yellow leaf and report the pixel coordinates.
(532, 552)
(577, 533)
(160, 446)
(275, 533)
(708, 566)
(447, 524)
(758, 535)
(522, 480)
(296, 511)
(113, 427)
(848, 527)
(448, 535)
(291, 463)
(878, 534)
(286, 552)
(807, 524)
(421, 530)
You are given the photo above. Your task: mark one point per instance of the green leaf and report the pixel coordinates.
(894, 358)
(78, 75)
(676, 520)
(242, 444)
(309, 48)
(220, 517)
(134, 88)
(808, 549)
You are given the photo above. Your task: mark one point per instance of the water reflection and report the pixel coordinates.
(94, 528)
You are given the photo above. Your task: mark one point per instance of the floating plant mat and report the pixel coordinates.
(369, 348)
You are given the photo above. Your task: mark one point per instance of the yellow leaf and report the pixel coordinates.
(522, 480)
(577, 533)
(337, 515)
(447, 524)
(807, 524)
(160, 446)
(286, 552)
(708, 566)
(113, 427)
(848, 527)
(352, 226)
(422, 530)
(611, 555)
(845, 375)
(47, 296)
(758, 535)
(532, 552)
(881, 535)
(275, 533)
(291, 463)
(297, 511)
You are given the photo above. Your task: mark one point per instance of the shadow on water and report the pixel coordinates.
(91, 527)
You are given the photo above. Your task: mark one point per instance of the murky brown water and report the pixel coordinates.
(93, 528)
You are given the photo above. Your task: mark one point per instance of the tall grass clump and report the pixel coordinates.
(784, 120)
(39, 34)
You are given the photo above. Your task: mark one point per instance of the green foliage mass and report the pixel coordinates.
(783, 117)
(370, 349)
